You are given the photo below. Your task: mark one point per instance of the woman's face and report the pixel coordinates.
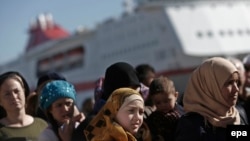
(12, 95)
(230, 89)
(62, 109)
(130, 117)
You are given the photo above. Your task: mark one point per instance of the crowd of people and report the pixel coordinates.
(130, 103)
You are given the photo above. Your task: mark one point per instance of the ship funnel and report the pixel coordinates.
(41, 20)
(45, 21)
(49, 20)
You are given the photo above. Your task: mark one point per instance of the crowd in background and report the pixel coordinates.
(129, 103)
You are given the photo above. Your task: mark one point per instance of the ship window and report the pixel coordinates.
(221, 32)
(75, 57)
(162, 55)
(192, 7)
(63, 61)
(209, 33)
(177, 7)
(248, 31)
(230, 32)
(240, 32)
(213, 5)
(199, 34)
(230, 5)
(58, 61)
(43, 66)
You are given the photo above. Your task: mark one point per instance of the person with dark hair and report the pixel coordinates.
(26, 86)
(209, 102)
(117, 75)
(98, 91)
(57, 100)
(163, 121)
(48, 77)
(145, 73)
(33, 99)
(246, 86)
(87, 106)
(17, 124)
(246, 63)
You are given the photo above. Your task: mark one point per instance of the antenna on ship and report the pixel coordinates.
(129, 6)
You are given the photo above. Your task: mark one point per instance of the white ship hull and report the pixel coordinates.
(174, 38)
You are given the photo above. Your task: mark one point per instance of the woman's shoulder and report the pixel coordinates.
(192, 118)
(30, 122)
(189, 127)
(40, 122)
(191, 121)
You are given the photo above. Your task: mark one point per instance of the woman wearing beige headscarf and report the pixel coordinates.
(209, 101)
(119, 119)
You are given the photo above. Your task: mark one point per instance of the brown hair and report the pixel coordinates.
(160, 85)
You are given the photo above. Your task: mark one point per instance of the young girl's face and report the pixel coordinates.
(62, 109)
(130, 117)
(165, 102)
(12, 96)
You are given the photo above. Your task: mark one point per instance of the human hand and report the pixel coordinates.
(79, 118)
(172, 116)
(66, 130)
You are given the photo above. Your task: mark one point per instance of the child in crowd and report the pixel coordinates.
(163, 121)
(33, 99)
(145, 73)
(117, 75)
(57, 100)
(119, 119)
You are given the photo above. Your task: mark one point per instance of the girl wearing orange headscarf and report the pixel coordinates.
(119, 119)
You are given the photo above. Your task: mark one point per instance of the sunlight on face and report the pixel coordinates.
(130, 117)
(12, 96)
(62, 109)
(230, 89)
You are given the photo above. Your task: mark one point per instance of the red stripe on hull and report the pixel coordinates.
(176, 72)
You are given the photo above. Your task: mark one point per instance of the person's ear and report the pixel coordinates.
(176, 94)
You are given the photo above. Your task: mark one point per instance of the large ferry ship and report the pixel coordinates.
(173, 36)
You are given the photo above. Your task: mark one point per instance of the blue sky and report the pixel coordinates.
(15, 16)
